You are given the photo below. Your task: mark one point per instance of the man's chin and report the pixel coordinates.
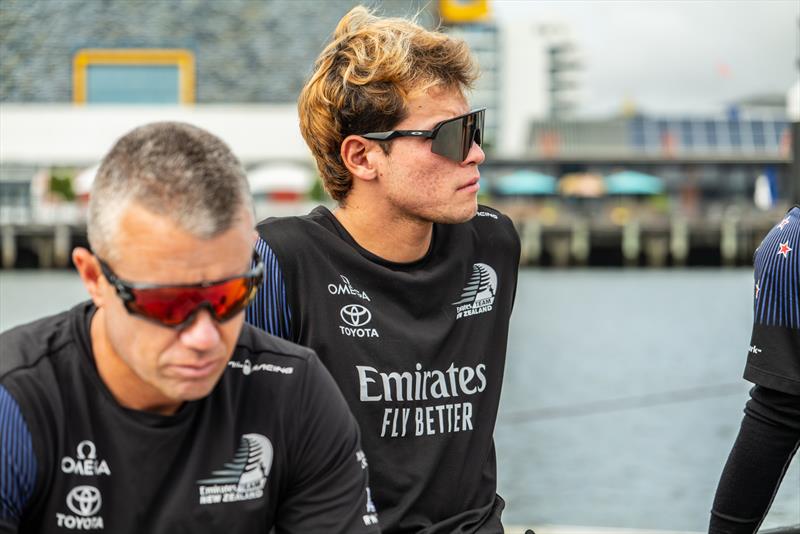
(195, 390)
(458, 216)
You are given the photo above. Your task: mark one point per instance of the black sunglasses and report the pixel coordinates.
(175, 305)
(451, 138)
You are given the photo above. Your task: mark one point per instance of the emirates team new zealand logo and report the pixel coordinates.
(244, 477)
(478, 295)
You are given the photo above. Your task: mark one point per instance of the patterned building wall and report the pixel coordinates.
(245, 50)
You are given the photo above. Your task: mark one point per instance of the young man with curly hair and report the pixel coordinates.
(405, 290)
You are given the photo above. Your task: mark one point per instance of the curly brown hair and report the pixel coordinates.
(362, 80)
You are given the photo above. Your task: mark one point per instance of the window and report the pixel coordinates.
(735, 134)
(758, 134)
(781, 129)
(687, 139)
(133, 76)
(637, 133)
(711, 134)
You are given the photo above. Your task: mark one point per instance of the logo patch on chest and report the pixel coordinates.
(85, 462)
(85, 503)
(244, 477)
(346, 288)
(478, 295)
(356, 319)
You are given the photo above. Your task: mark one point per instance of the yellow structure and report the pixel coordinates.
(180, 58)
(464, 11)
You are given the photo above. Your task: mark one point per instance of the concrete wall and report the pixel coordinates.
(80, 135)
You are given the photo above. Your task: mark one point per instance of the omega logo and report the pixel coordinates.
(86, 463)
(355, 315)
(86, 449)
(84, 500)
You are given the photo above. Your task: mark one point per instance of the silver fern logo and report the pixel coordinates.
(244, 477)
(478, 295)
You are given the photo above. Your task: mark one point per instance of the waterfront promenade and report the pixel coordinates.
(612, 232)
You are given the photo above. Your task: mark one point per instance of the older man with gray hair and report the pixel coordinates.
(151, 408)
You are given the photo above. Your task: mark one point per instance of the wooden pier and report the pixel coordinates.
(570, 242)
(672, 243)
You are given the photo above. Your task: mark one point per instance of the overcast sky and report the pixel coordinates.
(674, 56)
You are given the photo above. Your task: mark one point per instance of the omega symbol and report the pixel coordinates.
(355, 315)
(86, 449)
(84, 500)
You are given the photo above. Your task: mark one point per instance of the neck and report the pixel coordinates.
(386, 234)
(127, 388)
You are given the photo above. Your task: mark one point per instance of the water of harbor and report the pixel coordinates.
(622, 398)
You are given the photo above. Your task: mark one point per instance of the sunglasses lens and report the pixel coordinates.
(478, 127)
(449, 140)
(172, 306)
(454, 138)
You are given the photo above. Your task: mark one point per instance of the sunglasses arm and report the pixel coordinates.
(394, 134)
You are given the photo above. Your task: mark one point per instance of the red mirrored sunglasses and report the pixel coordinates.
(176, 305)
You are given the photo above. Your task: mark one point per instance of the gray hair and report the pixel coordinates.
(172, 169)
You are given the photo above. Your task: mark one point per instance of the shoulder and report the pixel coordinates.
(261, 358)
(490, 217)
(290, 237)
(487, 212)
(780, 248)
(777, 274)
(37, 362)
(492, 224)
(31, 344)
(315, 217)
(257, 343)
(277, 369)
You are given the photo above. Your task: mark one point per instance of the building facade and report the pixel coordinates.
(241, 51)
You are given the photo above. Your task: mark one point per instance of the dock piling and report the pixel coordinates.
(9, 246)
(61, 245)
(679, 241)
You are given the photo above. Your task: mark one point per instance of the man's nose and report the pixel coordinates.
(475, 155)
(202, 333)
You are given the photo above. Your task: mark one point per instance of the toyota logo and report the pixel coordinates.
(84, 500)
(355, 315)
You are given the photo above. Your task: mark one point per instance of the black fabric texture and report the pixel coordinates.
(273, 446)
(418, 350)
(776, 365)
(768, 439)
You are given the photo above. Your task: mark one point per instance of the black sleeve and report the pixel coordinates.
(516, 251)
(767, 441)
(328, 488)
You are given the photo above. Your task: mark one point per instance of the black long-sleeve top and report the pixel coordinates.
(767, 441)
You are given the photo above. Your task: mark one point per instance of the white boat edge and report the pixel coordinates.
(566, 529)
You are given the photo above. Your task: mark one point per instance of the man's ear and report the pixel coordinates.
(360, 157)
(90, 273)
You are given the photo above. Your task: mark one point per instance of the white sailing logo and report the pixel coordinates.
(479, 293)
(244, 477)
